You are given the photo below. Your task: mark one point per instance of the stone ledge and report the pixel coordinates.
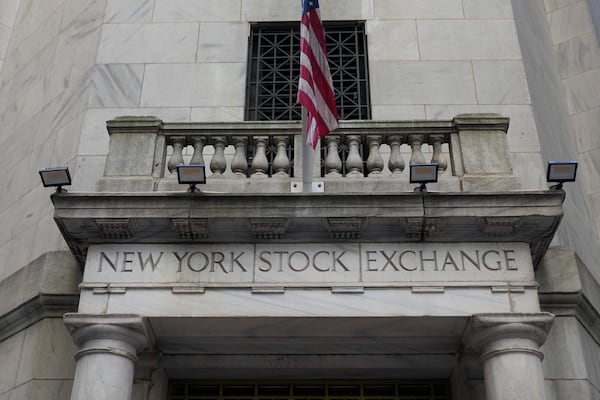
(408, 217)
(53, 273)
(38, 308)
(568, 290)
(45, 288)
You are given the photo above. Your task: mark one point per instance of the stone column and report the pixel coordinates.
(107, 356)
(509, 352)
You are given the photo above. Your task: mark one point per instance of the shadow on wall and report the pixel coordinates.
(595, 11)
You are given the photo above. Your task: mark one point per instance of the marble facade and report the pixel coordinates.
(68, 66)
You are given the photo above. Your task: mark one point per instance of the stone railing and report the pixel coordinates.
(359, 156)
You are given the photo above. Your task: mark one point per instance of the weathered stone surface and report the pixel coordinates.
(468, 39)
(148, 43)
(227, 214)
(45, 288)
(139, 133)
(366, 264)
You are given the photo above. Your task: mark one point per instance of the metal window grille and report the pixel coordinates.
(194, 390)
(273, 69)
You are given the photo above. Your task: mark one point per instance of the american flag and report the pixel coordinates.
(315, 88)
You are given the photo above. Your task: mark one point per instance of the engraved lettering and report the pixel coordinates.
(217, 258)
(433, 260)
(149, 259)
(127, 261)
(235, 260)
(336, 260)
(267, 266)
(449, 261)
(389, 261)
(314, 261)
(180, 259)
(112, 263)
(510, 266)
(198, 267)
(370, 260)
(401, 260)
(302, 255)
(474, 261)
(281, 253)
(311, 263)
(484, 259)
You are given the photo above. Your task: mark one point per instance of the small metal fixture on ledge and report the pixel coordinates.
(560, 172)
(56, 177)
(192, 174)
(423, 173)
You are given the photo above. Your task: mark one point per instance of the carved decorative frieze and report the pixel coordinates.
(195, 228)
(413, 227)
(345, 228)
(115, 228)
(431, 225)
(498, 226)
(268, 228)
(419, 227)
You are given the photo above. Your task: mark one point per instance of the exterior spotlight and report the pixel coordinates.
(192, 175)
(560, 172)
(56, 177)
(423, 173)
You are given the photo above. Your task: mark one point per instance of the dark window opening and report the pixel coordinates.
(274, 63)
(369, 390)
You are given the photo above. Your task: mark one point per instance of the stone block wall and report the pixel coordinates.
(67, 66)
(571, 363)
(575, 40)
(560, 53)
(46, 83)
(38, 362)
(8, 13)
(72, 65)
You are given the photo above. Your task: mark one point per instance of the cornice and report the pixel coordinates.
(36, 309)
(530, 217)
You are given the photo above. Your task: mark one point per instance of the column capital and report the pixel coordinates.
(493, 334)
(127, 328)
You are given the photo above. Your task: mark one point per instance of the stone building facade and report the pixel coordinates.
(127, 286)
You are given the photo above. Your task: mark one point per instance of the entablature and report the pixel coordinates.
(145, 218)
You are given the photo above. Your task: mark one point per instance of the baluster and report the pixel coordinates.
(281, 163)
(260, 164)
(333, 163)
(396, 162)
(415, 142)
(198, 143)
(218, 164)
(374, 161)
(437, 156)
(177, 156)
(239, 164)
(354, 164)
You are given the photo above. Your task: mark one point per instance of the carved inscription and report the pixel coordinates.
(411, 260)
(352, 263)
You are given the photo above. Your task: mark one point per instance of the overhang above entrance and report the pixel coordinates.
(530, 217)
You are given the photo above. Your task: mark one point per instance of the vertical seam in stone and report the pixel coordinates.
(198, 43)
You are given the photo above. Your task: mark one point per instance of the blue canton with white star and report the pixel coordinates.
(309, 5)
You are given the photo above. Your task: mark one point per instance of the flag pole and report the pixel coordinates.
(307, 157)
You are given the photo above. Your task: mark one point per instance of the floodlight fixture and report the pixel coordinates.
(56, 177)
(560, 172)
(423, 173)
(191, 174)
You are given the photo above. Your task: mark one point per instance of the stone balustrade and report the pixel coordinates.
(354, 155)
(144, 153)
(254, 155)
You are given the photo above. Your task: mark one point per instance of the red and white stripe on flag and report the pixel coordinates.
(315, 88)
